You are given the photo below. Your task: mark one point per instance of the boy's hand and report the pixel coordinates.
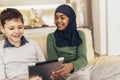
(35, 78)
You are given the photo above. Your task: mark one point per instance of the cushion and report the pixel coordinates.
(105, 59)
(89, 44)
(41, 39)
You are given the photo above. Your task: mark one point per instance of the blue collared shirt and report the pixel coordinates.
(8, 44)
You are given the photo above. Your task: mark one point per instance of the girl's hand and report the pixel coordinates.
(64, 71)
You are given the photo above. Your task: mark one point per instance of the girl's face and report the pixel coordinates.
(61, 21)
(13, 29)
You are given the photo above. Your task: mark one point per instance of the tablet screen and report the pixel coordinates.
(44, 69)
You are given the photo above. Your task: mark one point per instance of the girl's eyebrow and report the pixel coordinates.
(60, 15)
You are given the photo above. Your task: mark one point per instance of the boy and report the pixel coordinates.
(16, 52)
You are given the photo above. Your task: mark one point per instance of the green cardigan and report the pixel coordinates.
(76, 55)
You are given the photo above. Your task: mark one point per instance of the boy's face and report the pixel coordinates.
(13, 29)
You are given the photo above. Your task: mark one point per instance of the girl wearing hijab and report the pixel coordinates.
(70, 43)
(67, 42)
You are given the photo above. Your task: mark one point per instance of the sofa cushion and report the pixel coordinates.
(41, 39)
(89, 44)
(105, 59)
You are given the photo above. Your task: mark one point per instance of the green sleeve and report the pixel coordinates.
(81, 61)
(51, 51)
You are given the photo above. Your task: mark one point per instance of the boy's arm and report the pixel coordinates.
(2, 71)
(40, 54)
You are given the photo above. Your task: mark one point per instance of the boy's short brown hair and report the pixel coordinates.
(8, 14)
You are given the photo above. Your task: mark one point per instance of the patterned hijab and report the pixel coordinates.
(69, 36)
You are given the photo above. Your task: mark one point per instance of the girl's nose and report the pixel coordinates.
(58, 20)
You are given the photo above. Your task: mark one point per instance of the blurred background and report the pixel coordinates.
(38, 13)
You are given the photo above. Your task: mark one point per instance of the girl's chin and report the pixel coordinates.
(60, 28)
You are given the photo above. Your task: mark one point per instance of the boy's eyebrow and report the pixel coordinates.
(21, 25)
(15, 26)
(11, 26)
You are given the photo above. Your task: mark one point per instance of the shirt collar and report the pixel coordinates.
(8, 44)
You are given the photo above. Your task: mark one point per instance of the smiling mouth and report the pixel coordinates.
(59, 25)
(17, 36)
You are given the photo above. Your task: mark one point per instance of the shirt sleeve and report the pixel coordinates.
(81, 60)
(52, 54)
(39, 52)
(2, 71)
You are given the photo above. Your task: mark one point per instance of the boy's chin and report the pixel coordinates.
(16, 40)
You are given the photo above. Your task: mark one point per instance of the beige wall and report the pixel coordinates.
(99, 25)
(81, 9)
(45, 13)
(106, 26)
(29, 2)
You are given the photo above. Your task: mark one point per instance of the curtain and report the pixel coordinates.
(83, 12)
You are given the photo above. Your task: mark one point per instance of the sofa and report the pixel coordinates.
(93, 58)
(40, 35)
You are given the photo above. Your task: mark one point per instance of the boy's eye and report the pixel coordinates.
(20, 27)
(11, 28)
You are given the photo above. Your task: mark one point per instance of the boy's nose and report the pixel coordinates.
(16, 30)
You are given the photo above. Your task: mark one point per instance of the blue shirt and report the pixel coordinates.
(8, 44)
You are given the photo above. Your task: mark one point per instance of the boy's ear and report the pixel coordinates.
(2, 29)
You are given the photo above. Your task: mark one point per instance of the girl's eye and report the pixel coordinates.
(62, 18)
(56, 18)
